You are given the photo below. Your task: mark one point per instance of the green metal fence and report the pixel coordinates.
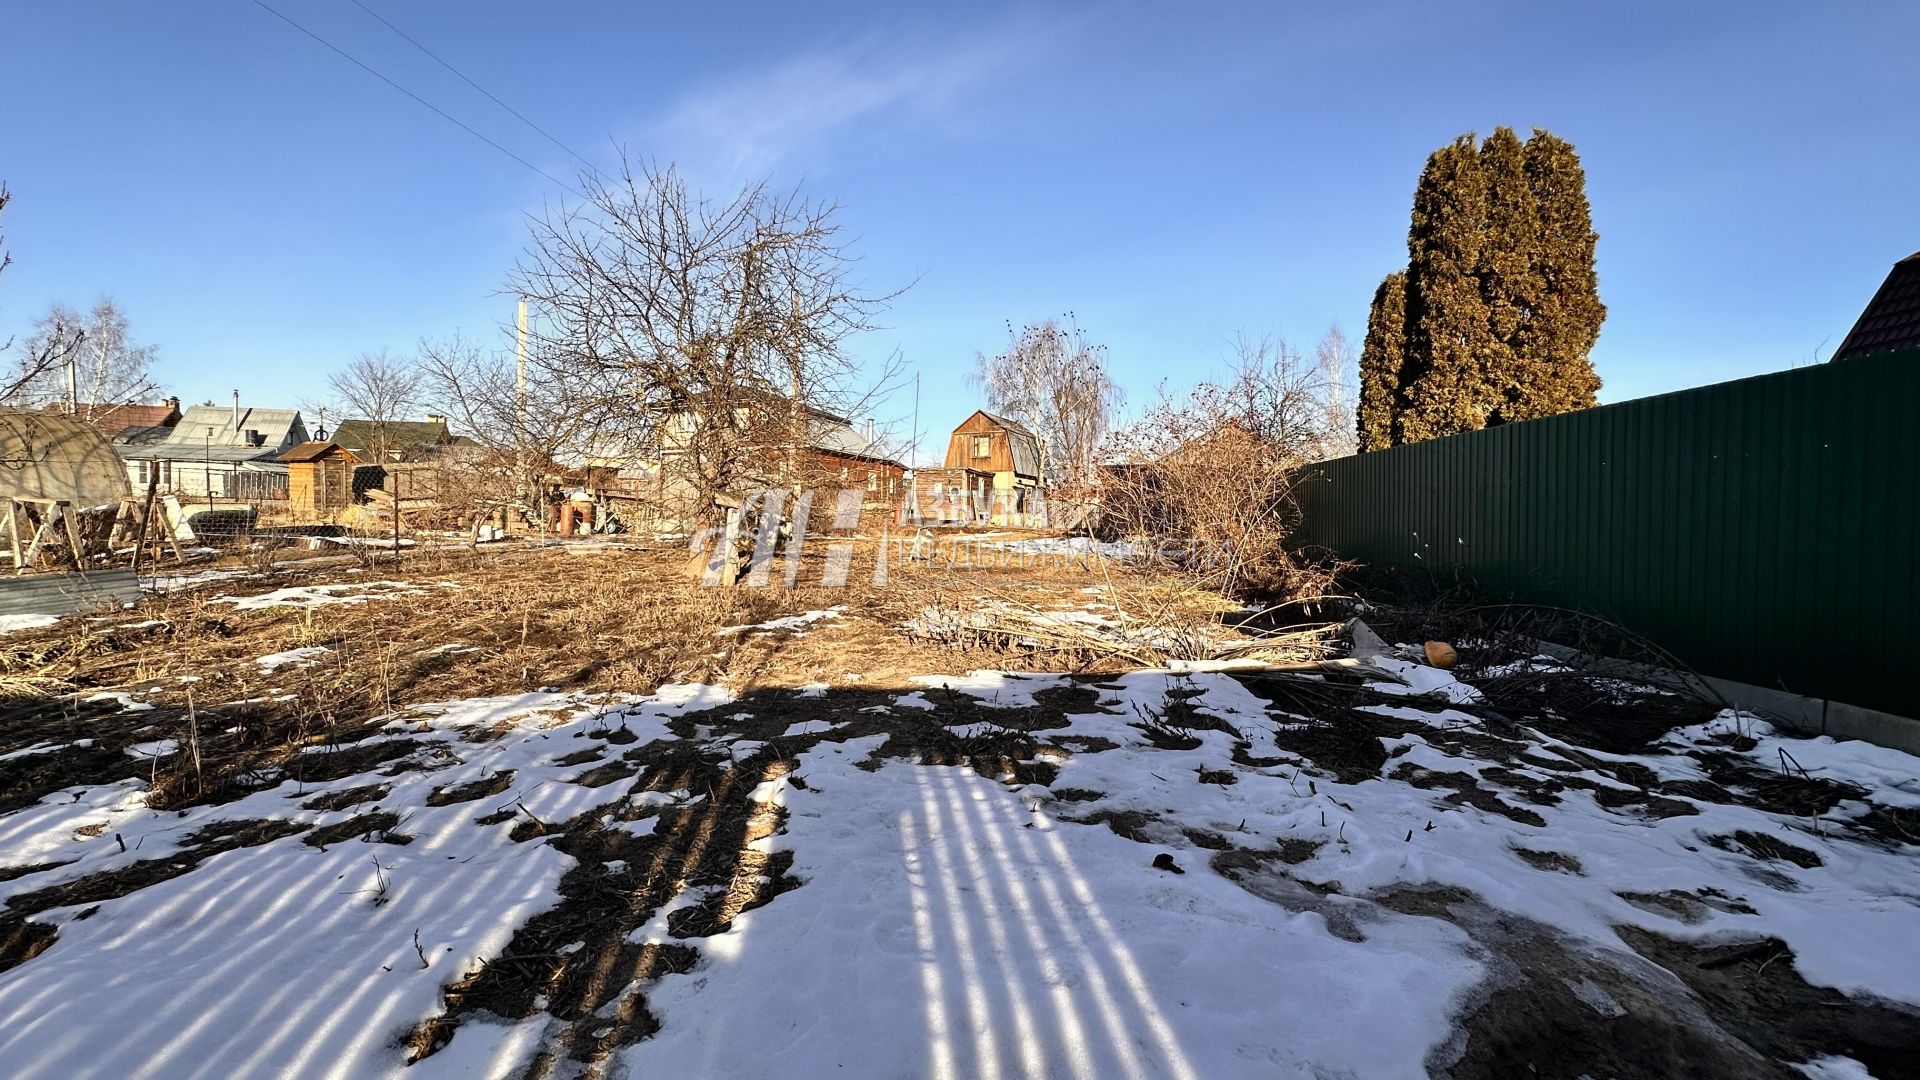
(1763, 530)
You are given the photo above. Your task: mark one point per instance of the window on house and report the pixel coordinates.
(873, 481)
(843, 474)
(890, 483)
(982, 446)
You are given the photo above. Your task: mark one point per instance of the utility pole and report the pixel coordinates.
(520, 371)
(520, 462)
(73, 375)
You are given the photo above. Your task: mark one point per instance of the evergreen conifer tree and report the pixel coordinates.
(1509, 282)
(1447, 336)
(1567, 316)
(1499, 307)
(1381, 356)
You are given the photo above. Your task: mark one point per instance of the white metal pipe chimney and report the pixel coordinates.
(236, 410)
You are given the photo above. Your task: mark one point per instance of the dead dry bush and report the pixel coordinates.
(1203, 483)
(1133, 622)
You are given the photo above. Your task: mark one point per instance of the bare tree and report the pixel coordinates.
(520, 435)
(381, 389)
(708, 336)
(1055, 382)
(88, 360)
(1205, 479)
(1338, 365)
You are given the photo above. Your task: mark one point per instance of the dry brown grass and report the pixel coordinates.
(586, 618)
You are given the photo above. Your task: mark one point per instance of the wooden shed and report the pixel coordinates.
(319, 479)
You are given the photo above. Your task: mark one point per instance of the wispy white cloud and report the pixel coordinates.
(803, 106)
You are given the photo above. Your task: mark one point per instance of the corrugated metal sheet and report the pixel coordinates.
(1763, 530)
(67, 594)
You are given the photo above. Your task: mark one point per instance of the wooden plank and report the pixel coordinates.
(146, 520)
(13, 533)
(39, 537)
(68, 518)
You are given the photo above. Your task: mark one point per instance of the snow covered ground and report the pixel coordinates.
(1156, 875)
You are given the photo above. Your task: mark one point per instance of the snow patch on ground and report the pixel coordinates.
(979, 937)
(794, 624)
(1065, 545)
(309, 596)
(283, 959)
(302, 657)
(998, 689)
(176, 582)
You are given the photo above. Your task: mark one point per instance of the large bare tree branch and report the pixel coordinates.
(708, 337)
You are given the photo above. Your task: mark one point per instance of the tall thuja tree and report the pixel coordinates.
(1444, 380)
(1510, 282)
(1382, 355)
(1567, 314)
(1501, 305)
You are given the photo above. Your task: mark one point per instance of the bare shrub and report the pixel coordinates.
(1203, 482)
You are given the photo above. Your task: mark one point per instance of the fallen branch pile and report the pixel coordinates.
(1143, 628)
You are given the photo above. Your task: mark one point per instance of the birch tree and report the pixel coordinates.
(109, 369)
(1054, 381)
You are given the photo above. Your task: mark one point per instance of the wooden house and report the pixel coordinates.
(829, 458)
(319, 479)
(381, 441)
(216, 453)
(949, 497)
(1011, 454)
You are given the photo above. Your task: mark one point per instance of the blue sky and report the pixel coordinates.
(1170, 174)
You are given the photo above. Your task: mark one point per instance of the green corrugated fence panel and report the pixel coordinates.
(1762, 530)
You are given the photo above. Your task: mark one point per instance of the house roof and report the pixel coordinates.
(836, 436)
(190, 452)
(1009, 424)
(1892, 318)
(113, 420)
(359, 435)
(202, 425)
(1024, 444)
(314, 450)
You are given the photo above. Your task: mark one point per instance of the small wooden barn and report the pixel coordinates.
(319, 479)
(986, 443)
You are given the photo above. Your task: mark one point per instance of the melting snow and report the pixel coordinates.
(297, 657)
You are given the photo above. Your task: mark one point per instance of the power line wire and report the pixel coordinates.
(442, 113)
(517, 114)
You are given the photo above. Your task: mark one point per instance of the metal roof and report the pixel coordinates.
(192, 450)
(66, 594)
(359, 435)
(114, 420)
(203, 424)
